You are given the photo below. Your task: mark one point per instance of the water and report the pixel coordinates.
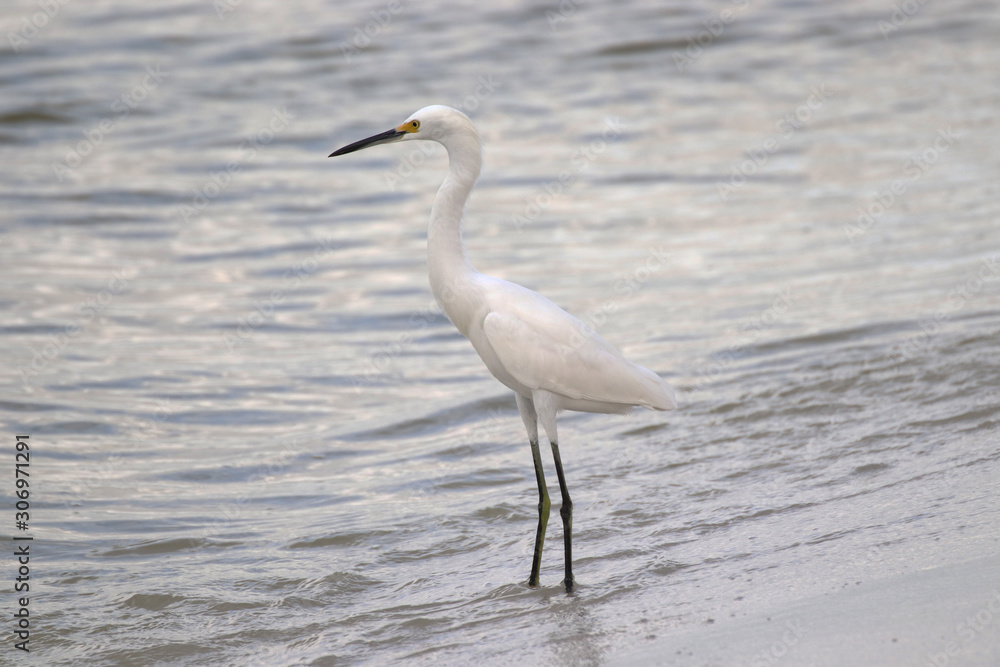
(254, 438)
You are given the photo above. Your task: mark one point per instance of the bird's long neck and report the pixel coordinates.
(452, 275)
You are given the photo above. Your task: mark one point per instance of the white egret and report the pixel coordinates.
(550, 359)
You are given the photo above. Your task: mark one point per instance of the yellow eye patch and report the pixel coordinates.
(411, 126)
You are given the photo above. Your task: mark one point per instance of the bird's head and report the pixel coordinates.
(434, 123)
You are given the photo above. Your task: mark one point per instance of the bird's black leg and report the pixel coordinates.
(543, 513)
(566, 512)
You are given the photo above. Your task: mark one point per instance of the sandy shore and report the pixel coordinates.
(940, 617)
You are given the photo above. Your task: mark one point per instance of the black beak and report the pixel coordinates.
(383, 138)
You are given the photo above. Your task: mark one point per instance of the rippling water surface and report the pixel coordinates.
(256, 440)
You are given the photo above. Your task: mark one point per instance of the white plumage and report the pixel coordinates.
(550, 359)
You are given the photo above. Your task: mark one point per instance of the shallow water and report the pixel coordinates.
(256, 439)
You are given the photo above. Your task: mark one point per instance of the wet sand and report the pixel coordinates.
(939, 617)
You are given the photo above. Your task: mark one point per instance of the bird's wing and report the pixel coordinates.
(544, 347)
